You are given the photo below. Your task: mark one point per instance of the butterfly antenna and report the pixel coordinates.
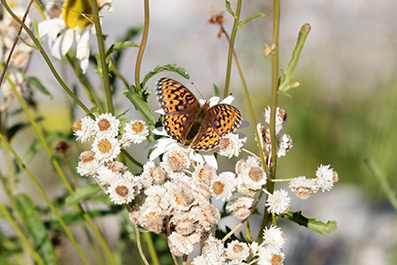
(197, 89)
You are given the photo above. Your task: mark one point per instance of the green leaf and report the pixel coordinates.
(217, 92)
(120, 46)
(229, 9)
(285, 82)
(260, 14)
(83, 193)
(312, 224)
(36, 83)
(36, 228)
(140, 105)
(168, 67)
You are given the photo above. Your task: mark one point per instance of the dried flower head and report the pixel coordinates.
(240, 207)
(303, 187)
(237, 250)
(175, 160)
(273, 236)
(88, 165)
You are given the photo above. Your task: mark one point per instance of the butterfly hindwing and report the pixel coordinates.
(207, 138)
(224, 118)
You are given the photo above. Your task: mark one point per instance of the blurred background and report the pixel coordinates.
(343, 112)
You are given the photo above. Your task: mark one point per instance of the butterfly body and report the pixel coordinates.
(200, 127)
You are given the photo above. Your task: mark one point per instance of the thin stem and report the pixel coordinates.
(231, 45)
(152, 249)
(102, 55)
(48, 201)
(142, 46)
(273, 107)
(138, 240)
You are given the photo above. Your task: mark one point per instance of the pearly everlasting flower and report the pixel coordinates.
(88, 165)
(284, 141)
(179, 244)
(252, 176)
(106, 148)
(107, 125)
(230, 145)
(73, 25)
(121, 191)
(106, 176)
(199, 260)
(223, 185)
(136, 132)
(273, 236)
(281, 118)
(240, 207)
(209, 214)
(213, 251)
(325, 177)
(303, 187)
(152, 174)
(237, 250)
(269, 255)
(175, 160)
(153, 219)
(279, 202)
(185, 223)
(84, 129)
(203, 173)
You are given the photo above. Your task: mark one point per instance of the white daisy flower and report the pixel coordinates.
(73, 25)
(223, 185)
(273, 236)
(240, 207)
(106, 148)
(182, 243)
(252, 176)
(269, 255)
(279, 202)
(107, 125)
(84, 129)
(136, 132)
(303, 187)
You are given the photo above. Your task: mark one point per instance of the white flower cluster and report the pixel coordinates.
(99, 163)
(236, 253)
(325, 179)
(284, 141)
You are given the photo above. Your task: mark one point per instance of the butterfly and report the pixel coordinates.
(200, 127)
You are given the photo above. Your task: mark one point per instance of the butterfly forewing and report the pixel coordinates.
(175, 98)
(224, 118)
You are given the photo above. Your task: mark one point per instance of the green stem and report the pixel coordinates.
(273, 106)
(102, 55)
(48, 201)
(231, 45)
(152, 249)
(142, 46)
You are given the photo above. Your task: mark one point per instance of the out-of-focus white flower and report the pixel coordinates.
(84, 129)
(107, 176)
(279, 202)
(136, 132)
(284, 141)
(74, 24)
(106, 148)
(223, 185)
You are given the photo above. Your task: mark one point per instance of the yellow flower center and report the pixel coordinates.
(77, 13)
(77, 126)
(104, 146)
(137, 127)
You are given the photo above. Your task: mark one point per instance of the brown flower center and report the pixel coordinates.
(137, 127)
(104, 146)
(104, 125)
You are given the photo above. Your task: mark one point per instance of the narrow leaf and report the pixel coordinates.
(229, 9)
(312, 224)
(36, 228)
(168, 67)
(120, 46)
(217, 92)
(260, 14)
(37, 84)
(140, 105)
(285, 82)
(81, 194)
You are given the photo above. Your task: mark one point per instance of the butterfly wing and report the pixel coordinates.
(221, 120)
(224, 118)
(180, 107)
